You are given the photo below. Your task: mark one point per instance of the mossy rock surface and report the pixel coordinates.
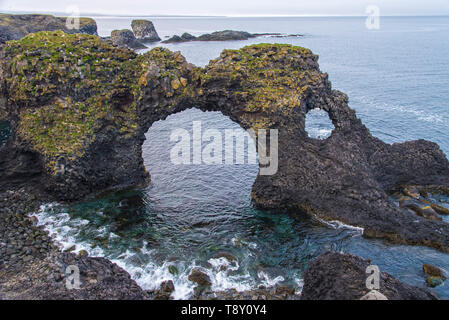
(79, 109)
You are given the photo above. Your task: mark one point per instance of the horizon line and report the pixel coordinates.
(96, 14)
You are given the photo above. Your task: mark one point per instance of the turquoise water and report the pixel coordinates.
(397, 79)
(5, 132)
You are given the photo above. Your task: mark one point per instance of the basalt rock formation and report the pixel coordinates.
(346, 280)
(144, 30)
(79, 109)
(125, 38)
(16, 26)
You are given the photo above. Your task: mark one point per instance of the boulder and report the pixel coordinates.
(225, 254)
(433, 271)
(125, 39)
(225, 35)
(16, 26)
(174, 39)
(200, 277)
(144, 30)
(338, 276)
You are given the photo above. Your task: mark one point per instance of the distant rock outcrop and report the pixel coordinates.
(144, 30)
(125, 38)
(225, 35)
(337, 276)
(16, 26)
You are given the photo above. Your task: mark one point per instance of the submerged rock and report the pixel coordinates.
(125, 39)
(440, 209)
(144, 30)
(17, 26)
(200, 277)
(338, 276)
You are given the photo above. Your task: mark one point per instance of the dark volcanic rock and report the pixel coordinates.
(144, 30)
(112, 96)
(200, 277)
(337, 276)
(32, 267)
(125, 38)
(215, 36)
(14, 27)
(174, 39)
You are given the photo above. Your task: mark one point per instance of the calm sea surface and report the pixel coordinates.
(397, 79)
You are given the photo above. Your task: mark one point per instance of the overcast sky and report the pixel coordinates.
(232, 7)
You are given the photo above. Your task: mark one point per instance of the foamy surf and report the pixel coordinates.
(224, 274)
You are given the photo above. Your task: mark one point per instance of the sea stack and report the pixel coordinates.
(125, 39)
(144, 30)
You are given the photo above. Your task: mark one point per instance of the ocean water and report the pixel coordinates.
(397, 79)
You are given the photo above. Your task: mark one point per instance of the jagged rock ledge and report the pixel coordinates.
(338, 276)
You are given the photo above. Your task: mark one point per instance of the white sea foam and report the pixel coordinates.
(335, 224)
(224, 274)
(267, 280)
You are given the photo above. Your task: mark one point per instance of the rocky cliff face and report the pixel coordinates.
(144, 30)
(79, 110)
(225, 35)
(337, 276)
(15, 27)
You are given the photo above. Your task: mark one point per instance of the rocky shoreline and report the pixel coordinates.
(33, 267)
(78, 109)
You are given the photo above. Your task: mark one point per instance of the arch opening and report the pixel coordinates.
(318, 124)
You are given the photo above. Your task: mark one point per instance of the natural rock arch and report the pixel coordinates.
(80, 108)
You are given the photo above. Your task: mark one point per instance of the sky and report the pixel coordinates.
(231, 7)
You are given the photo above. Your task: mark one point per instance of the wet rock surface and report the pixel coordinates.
(338, 276)
(15, 27)
(200, 277)
(111, 96)
(125, 38)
